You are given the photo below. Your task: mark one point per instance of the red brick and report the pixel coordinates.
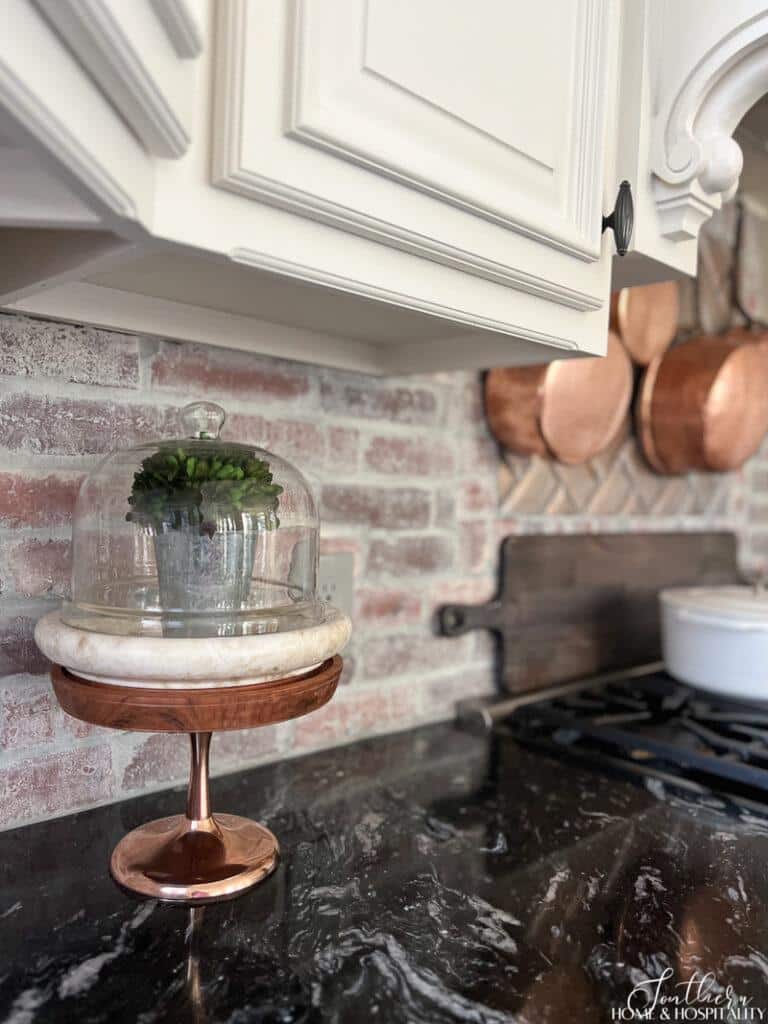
(471, 406)
(445, 509)
(479, 454)
(369, 398)
(343, 445)
(410, 556)
(42, 425)
(758, 550)
(381, 708)
(296, 440)
(757, 513)
(405, 704)
(402, 653)
(243, 746)
(27, 714)
(223, 372)
(477, 590)
(440, 696)
(369, 709)
(18, 650)
(361, 710)
(381, 607)
(477, 496)
(66, 724)
(474, 543)
(36, 501)
(349, 668)
(44, 786)
(160, 758)
(40, 567)
(85, 355)
(418, 457)
(391, 508)
(344, 545)
(322, 728)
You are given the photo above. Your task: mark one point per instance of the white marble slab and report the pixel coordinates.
(175, 663)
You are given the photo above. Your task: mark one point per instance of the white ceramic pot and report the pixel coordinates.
(716, 638)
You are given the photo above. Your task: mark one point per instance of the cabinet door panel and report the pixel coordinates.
(472, 135)
(462, 101)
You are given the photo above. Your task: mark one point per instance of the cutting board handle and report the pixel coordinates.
(457, 619)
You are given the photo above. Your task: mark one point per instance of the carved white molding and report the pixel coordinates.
(313, 120)
(233, 172)
(354, 286)
(41, 124)
(180, 26)
(720, 57)
(114, 59)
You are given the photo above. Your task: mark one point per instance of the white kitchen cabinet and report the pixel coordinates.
(378, 184)
(384, 185)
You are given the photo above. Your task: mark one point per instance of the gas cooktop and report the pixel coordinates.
(644, 722)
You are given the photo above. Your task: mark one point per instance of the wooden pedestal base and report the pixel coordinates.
(197, 857)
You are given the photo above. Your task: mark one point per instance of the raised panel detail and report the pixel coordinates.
(468, 102)
(424, 49)
(323, 110)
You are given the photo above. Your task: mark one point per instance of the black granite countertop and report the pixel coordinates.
(430, 876)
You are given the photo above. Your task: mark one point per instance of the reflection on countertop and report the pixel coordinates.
(429, 876)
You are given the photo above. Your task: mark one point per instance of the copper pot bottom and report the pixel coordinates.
(569, 409)
(646, 319)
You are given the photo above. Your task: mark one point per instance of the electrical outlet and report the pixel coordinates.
(335, 580)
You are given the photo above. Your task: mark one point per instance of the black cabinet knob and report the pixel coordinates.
(622, 219)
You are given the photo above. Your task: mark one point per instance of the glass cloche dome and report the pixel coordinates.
(194, 538)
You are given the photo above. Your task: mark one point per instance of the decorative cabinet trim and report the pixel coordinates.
(65, 146)
(180, 26)
(695, 161)
(110, 56)
(230, 170)
(314, 275)
(315, 125)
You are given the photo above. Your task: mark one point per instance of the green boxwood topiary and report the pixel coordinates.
(176, 489)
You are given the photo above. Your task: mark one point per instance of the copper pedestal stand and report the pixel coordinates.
(196, 857)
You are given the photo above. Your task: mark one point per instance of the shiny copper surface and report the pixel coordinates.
(570, 409)
(185, 861)
(197, 857)
(586, 403)
(703, 405)
(646, 319)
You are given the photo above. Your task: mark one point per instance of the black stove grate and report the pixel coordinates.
(655, 724)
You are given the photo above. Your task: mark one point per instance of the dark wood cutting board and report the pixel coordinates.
(577, 605)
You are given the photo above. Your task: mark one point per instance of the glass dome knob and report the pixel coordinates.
(202, 420)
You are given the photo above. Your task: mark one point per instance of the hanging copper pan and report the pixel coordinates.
(646, 319)
(704, 403)
(569, 409)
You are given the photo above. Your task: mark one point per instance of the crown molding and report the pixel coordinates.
(181, 27)
(112, 59)
(353, 286)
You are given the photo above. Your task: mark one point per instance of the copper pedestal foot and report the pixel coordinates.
(195, 857)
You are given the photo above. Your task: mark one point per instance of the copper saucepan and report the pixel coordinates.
(570, 409)
(704, 404)
(646, 319)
